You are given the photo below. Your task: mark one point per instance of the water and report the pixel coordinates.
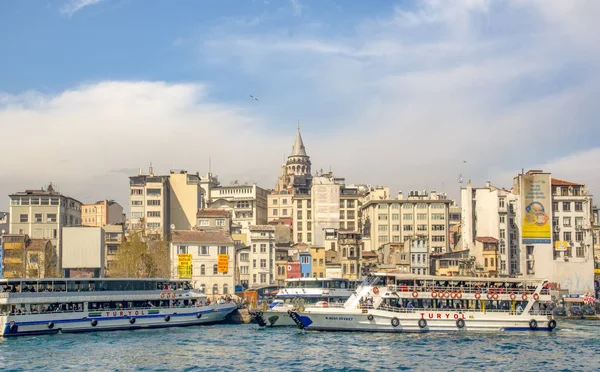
(576, 346)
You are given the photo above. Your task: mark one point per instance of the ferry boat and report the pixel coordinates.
(389, 302)
(46, 306)
(303, 292)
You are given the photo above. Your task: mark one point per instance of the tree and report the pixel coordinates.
(137, 258)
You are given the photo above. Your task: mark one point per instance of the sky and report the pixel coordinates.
(406, 94)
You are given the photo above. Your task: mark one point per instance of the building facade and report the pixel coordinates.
(420, 216)
(247, 204)
(42, 214)
(102, 213)
(205, 248)
(296, 172)
(279, 205)
(262, 255)
(149, 204)
(114, 235)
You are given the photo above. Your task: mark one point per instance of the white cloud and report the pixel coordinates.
(296, 7)
(73, 6)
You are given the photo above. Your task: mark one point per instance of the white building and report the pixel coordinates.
(83, 252)
(419, 257)
(205, 247)
(247, 204)
(261, 256)
(149, 204)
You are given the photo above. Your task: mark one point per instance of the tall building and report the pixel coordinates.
(280, 206)
(102, 213)
(185, 198)
(296, 172)
(149, 203)
(41, 214)
(262, 256)
(247, 204)
(420, 216)
(543, 228)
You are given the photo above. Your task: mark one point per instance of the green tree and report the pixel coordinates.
(137, 258)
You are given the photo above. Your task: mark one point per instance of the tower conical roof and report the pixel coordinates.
(298, 149)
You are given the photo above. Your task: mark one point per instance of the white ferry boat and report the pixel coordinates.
(409, 303)
(45, 306)
(304, 292)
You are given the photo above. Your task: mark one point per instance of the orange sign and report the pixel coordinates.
(223, 263)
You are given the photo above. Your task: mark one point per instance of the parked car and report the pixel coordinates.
(559, 311)
(588, 310)
(576, 311)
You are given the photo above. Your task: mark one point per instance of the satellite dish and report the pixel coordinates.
(172, 226)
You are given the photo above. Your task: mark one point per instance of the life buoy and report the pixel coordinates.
(415, 294)
(132, 321)
(477, 295)
(495, 296)
(434, 294)
(446, 294)
(370, 317)
(376, 290)
(458, 294)
(94, 323)
(552, 324)
(533, 324)
(460, 323)
(167, 318)
(173, 295)
(524, 297)
(325, 304)
(513, 296)
(422, 323)
(50, 325)
(162, 294)
(490, 295)
(395, 322)
(536, 296)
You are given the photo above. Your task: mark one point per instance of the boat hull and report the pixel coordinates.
(417, 322)
(111, 320)
(272, 318)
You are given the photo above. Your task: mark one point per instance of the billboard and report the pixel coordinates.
(293, 270)
(223, 263)
(536, 208)
(184, 266)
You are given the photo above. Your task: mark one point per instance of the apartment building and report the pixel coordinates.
(419, 256)
(261, 256)
(419, 216)
(396, 256)
(41, 214)
(247, 204)
(490, 212)
(213, 219)
(102, 213)
(22, 257)
(149, 204)
(279, 205)
(205, 248)
(243, 266)
(350, 253)
(114, 235)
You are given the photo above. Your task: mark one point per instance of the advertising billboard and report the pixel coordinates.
(223, 263)
(536, 209)
(184, 266)
(561, 246)
(293, 270)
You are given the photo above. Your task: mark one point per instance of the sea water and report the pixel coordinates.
(575, 346)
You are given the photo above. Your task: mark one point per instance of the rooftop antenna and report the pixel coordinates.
(209, 165)
(460, 180)
(151, 171)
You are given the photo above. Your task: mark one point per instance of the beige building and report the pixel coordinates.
(185, 198)
(213, 219)
(83, 252)
(318, 261)
(280, 205)
(262, 267)
(41, 214)
(247, 204)
(101, 213)
(419, 216)
(350, 245)
(396, 255)
(205, 248)
(114, 235)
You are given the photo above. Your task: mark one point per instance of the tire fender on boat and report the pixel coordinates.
(422, 323)
(551, 324)
(50, 325)
(370, 317)
(167, 318)
(460, 323)
(132, 321)
(94, 323)
(199, 315)
(533, 324)
(395, 322)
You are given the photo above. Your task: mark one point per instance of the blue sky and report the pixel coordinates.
(388, 92)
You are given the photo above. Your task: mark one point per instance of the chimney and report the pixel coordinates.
(488, 184)
(140, 172)
(151, 170)
(400, 195)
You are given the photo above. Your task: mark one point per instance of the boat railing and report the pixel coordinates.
(465, 311)
(483, 290)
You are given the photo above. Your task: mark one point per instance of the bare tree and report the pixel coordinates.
(137, 258)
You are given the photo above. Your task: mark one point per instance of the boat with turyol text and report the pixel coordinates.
(45, 306)
(390, 302)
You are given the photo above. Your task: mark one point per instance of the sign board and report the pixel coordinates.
(223, 263)
(293, 270)
(536, 209)
(561, 246)
(184, 266)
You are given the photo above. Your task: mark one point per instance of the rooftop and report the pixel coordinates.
(487, 239)
(212, 213)
(262, 228)
(216, 237)
(557, 182)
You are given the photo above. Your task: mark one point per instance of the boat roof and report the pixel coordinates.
(318, 279)
(404, 276)
(20, 280)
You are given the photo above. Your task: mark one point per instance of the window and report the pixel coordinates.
(154, 225)
(567, 236)
(223, 250)
(225, 289)
(220, 222)
(422, 216)
(350, 203)
(202, 269)
(438, 227)
(502, 219)
(308, 204)
(284, 212)
(299, 237)
(215, 269)
(305, 260)
(204, 223)
(153, 214)
(501, 205)
(136, 203)
(275, 211)
(203, 250)
(299, 214)
(253, 278)
(578, 206)
(350, 215)
(382, 206)
(579, 236)
(299, 204)
(555, 206)
(382, 217)
(37, 217)
(137, 191)
(154, 202)
(263, 278)
(263, 248)
(578, 221)
(383, 239)
(244, 257)
(342, 215)
(243, 204)
(51, 217)
(567, 221)
(395, 227)
(254, 263)
(275, 201)
(153, 192)
(309, 237)
(284, 201)
(502, 234)
(382, 228)
(407, 216)
(182, 249)
(299, 226)
(566, 206)
(407, 206)
(407, 228)
(438, 238)
(215, 289)
(486, 260)
(23, 218)
(421, 227)
(580, 251)
(137, 214)
(437, 216)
